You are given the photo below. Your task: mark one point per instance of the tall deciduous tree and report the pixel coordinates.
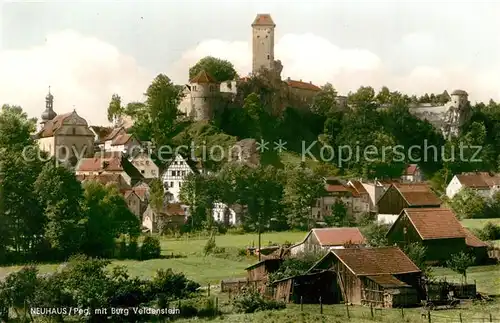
(106, 218)
(303, 188)
(325, 102)
(15, 128)
(221, 70)
(115, 108)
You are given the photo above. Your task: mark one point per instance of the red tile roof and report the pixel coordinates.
(336, 188)
(173, 209)
(303, 85)
(479, 180)
(472, 241)
(114, 133)
(263, 19)
(338, 236)
(418, 194)
(435, 223)
(376, 261)
(411, 169)
(105, 179)
(112, 164)
(203, 77)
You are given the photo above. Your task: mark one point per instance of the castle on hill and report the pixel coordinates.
(203, 91)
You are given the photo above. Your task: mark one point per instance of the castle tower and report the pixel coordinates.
(262, 43)
(459, 98)
(49, 113)
(204, 93)
(458, 113)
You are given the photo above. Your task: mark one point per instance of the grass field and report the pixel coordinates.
(214, 268)
(479, 223)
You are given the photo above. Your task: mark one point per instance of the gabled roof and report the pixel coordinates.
(419, 194)
(263, 19)
(411, 169)
(433, 223)
(376, 261)
(203, 77)
(128, 193)
(101, 132)
(337, 236)
(358, 186)
(195, 166)
(152, 156)
(113, 133)
(479, 180)
(122, 139)
(170, 209)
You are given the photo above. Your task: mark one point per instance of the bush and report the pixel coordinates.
(133, 249)
(236, 230)
(251, 302)
(210, 246)
(150, 248)
(491, 231)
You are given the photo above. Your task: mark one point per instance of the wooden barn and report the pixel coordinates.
(382, 277)
(310, 287)
(439, 231)
(400, 196)
(262, 269)
(320, 239)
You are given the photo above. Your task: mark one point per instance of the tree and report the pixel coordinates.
(60, 194)
(221, 70)
(115, 108)
(384, 95)
(302, 189)
(375, 234)
(340, 217)
(15, 128)
(460, 262)
(364, 95)
(162, 100)
(416, 252)
(107, 216)
(156, 195)
(325, 101)
(467, 204)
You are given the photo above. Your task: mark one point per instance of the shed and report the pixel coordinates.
(262, 269)
(383, 277)
(439, 230)
(310, 287)
(326, 238)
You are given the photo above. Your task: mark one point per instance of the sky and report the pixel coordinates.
(88, 50)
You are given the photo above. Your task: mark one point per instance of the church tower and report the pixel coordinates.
(262, 43)
(49, 113)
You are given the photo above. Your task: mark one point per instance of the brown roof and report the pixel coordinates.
(105, 179)
(336, 188)
(173, 209)
(102, 132)
(121, 139)
(203, 77)
(128, 193)
(303, 85)
(479, 180)
(358, 186)
(435, 223)
(109, 162)
(387, 281)
(113, 133)
(51, 126)
(263, 19)
(472, 241)
(411, 169)
(376, 261)
(338, 236)
(418, 194)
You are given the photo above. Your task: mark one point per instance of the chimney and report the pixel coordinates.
(301, 80)
(288, 79)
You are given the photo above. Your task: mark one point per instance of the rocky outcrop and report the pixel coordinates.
(245, 151)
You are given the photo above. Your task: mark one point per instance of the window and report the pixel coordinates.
(73, 131)
(147, 162)
(183, 173)
(142, 171)
(268, 57)
(171, 184)
(194, 88)
(173, 173)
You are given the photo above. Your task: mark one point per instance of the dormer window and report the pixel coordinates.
(194, 87)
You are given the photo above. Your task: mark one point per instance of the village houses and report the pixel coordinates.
(400, 196)
(412, 174)
(484, 184)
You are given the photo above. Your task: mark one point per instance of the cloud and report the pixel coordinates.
(313, 58)
(83, 73)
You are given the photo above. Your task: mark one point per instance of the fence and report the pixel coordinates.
(235, 286)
